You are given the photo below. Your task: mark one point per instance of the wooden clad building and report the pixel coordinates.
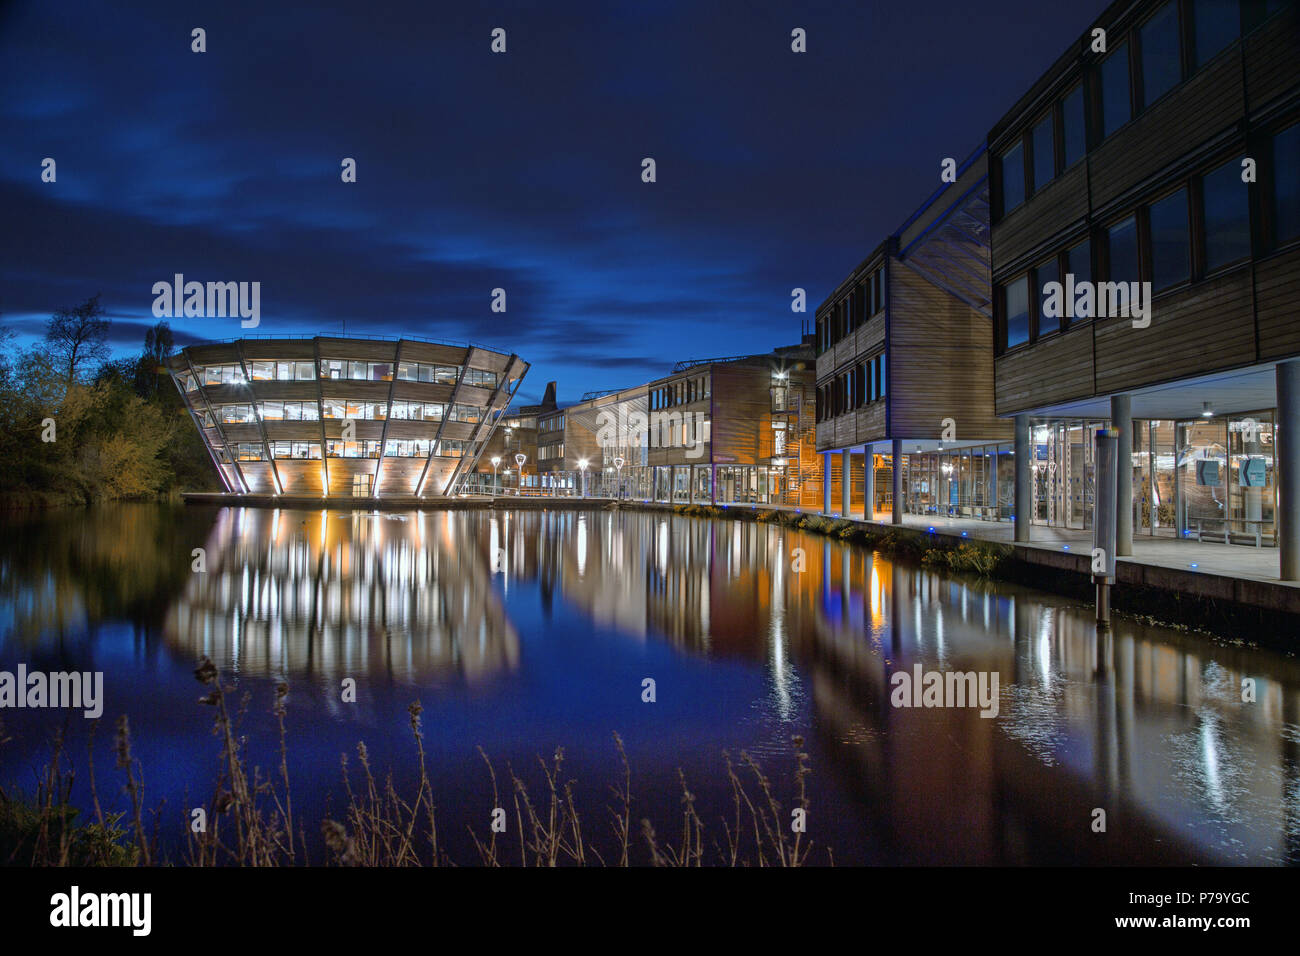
(904, 367)
(1146, 267)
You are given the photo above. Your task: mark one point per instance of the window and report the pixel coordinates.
(880, 375)
(1215, 24)
(1013, 178)
(1074, 126)
(1116, 108)
(236, 414)
(295, 449)
(1049, 271)
(1041, 140)
(271, 411)
(1015, 310)
(1286, 184)
(1078, 263)
(352, 449)
(1170, 241)
(1226, 215)
(1158, 45)
(262, 371)
(1122, 249)
(474, 376)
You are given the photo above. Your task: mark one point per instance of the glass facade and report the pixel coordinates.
(1209, 478)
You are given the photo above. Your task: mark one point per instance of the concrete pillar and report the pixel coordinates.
(846, 483)
(1024, 479)
(826, 483)
(1121, 417)
(897, 451)
(1286, 446)
(1178, 481)
(868, 485)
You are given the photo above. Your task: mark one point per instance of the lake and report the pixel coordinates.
(525, 631)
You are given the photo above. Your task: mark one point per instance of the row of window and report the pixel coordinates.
(1203, 226)
(1140, 68)
(681, 392)
(335, 369)
(865, 300)
(337, 408)
(547, 452)
(855, 388)
(553, 424)
(304, 450)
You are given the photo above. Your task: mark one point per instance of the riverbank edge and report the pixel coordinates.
(1241, 610)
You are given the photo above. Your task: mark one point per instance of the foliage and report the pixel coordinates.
(119, 432)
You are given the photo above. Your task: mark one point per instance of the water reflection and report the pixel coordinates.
(342, 595)
(754, 633)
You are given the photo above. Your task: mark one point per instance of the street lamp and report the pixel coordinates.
(582, 467)
(519, 460)
(495, 461)
(618, 464)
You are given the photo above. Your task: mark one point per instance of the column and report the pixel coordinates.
(846, 483)
(897, 451)
(1121, 417)
(713, 484)
(868, 484)
(1286, 463)
(826, 483)
(1024, 478)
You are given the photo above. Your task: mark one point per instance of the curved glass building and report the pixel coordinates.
(348, 417)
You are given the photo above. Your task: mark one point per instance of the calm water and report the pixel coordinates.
(549, 648)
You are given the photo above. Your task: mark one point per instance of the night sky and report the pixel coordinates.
(477, 170)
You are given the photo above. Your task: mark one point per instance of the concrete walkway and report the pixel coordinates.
(1234, 560)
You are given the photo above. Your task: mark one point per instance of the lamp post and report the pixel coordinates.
(495, 461)
(618, 464)
(519, 460)
(582, 482)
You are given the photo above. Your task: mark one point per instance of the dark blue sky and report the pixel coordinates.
(477, 171)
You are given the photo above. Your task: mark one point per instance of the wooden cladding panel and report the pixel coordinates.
(220, 354)
(1277, 291)
(360, 350)
(299, 350)
(742, 413)
(291, 391)
(870, 424)
(1203, 329)
(431, 354)
(940, 362)
(1272, 64)
(293, 431)
(1057, 369)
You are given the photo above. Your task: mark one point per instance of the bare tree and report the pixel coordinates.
(159, 343)
(78, 337)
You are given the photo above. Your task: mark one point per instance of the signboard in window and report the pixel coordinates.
(1252, 473)
(1207, 471)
